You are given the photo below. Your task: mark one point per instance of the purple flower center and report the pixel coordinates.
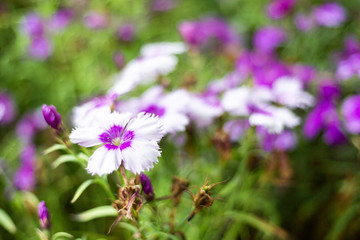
(117, 138)
(160, 111)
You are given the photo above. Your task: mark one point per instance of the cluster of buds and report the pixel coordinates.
(129, 201)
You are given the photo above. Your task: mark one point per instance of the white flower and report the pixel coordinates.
(288, 91)
(274, 119)
(125, 139)
(157, 59)
(169, 107)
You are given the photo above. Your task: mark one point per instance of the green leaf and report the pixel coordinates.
(54, 148)
(98, 212)
(258, 223)
(6, 222)
(81, 189)
(128, 226)
(67, 158)
(61, 236)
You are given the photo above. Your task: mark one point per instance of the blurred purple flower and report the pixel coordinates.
(348, 64)
(24, 178)
(147, 187)
(126, 32)
(119, 60)
(7, 109)
(303, 72)
(329, 14)
(277, 9)
(199, 33)
(40, 48)
(51, 116)
(29, 125)
(236, 129)
(33, 25)
(60, 19)
(284, 141)
(162, 5)
(95, 20)
(324, 116)
(44, 216)
(351, 113)
(304, 23)
(268, 38)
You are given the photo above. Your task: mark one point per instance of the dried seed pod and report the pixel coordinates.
(179, 185)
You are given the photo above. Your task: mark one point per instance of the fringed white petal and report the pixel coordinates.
(236, 101)
(141, 156)
(115, 118)
(146, 127)
(104, 161)
(86, 137)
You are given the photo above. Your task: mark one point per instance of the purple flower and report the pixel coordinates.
(29, 125)
(119, 60)
(147, 187)
(236, 129)
(285, 141)
(126, 32)
(125, 139)
(201, 33)
(304, 23)
(162, 5)
(40, 48)
(351, 113)
(303, 72)
(329, 90)
(324, 116)
(60, 19)
(329, 15)
(33, 25)
(44, 215)
(95, 20)
(24, 178)
(7, 109)
(279, 8)
(51, 116)
(268, 38)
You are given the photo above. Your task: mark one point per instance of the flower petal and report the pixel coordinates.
(104, 161)
(86, 137)
(141, 156)
(146, 127)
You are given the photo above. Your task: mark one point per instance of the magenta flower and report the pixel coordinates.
(201, 33)
(7, 109)
(44, 216)
(40, 48)
(267, 39)
(51, 116)
(162, 5)
(351, 113)
(304, 23)
(277, 9)
(329, 15)
(33, 25)
(24, 178)
(95, 20)
(124, 139)
(60, 19)
(303, 72)
(126, 32)
(285, 141)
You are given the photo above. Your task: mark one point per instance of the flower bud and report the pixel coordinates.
(44, 215)
(51, 116)
(147, 187)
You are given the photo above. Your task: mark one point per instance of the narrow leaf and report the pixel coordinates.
(98, 212)
(62, 236)
(6, 222)
(81, 189)
(54, 148)
(66, 158)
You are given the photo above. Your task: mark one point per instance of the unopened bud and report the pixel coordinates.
(147, 187)
(44, 215)
(51, 116)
